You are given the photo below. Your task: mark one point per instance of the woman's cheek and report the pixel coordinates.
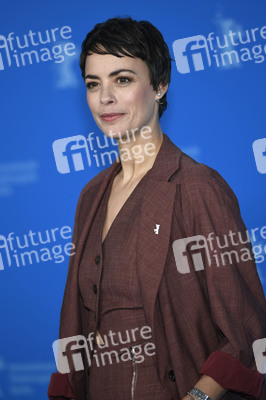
(91, 104)
(141, 96)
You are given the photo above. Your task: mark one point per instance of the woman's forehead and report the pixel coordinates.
(106, 63)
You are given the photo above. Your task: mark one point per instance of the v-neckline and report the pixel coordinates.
(121, 209)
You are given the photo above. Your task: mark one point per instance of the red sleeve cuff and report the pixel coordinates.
(231, 374)
(59, 387)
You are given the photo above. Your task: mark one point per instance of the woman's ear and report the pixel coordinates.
(160, 92)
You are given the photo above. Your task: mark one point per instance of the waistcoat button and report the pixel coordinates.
(97, 260)
(95, 289)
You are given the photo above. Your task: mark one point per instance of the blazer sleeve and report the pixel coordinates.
(233, 288)
(59, 387)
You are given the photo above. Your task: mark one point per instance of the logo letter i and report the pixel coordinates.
(4, 45)
(1, 62)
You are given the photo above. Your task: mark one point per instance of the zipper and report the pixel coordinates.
(134, 375)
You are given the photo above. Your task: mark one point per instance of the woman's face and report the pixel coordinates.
(119, 94)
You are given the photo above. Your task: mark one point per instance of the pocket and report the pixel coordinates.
(145, 383)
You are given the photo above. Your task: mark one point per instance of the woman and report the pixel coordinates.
(153, 319)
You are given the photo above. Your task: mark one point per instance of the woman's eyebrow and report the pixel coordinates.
(116, 72)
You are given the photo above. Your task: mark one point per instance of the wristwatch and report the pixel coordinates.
(199, 394)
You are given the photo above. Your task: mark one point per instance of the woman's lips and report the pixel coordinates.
(111, 117)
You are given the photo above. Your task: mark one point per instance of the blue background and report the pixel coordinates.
(214, 115)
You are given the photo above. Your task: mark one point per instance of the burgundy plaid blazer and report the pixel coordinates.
(208, 318)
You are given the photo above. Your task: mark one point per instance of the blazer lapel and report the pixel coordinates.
(153, 243)
(155, 224)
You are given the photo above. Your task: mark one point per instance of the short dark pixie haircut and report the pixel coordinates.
(140, 39)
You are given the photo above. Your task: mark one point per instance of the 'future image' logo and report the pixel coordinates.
(69, 353)
(34, 247)
(196, 53)
(190, 249)
(191, 54)
(36, 47)
(259, 150)
(71, 154)
(259, 349)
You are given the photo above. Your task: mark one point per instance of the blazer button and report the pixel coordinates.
(95, 289)
(171, 375)
(97, 260)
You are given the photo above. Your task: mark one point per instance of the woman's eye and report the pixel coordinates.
(91, 85)
(123, 80)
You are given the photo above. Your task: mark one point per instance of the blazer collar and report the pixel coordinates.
(167, 161)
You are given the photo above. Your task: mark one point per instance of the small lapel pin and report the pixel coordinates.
(156, 230)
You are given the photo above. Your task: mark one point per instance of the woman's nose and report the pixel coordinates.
(106, 95)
